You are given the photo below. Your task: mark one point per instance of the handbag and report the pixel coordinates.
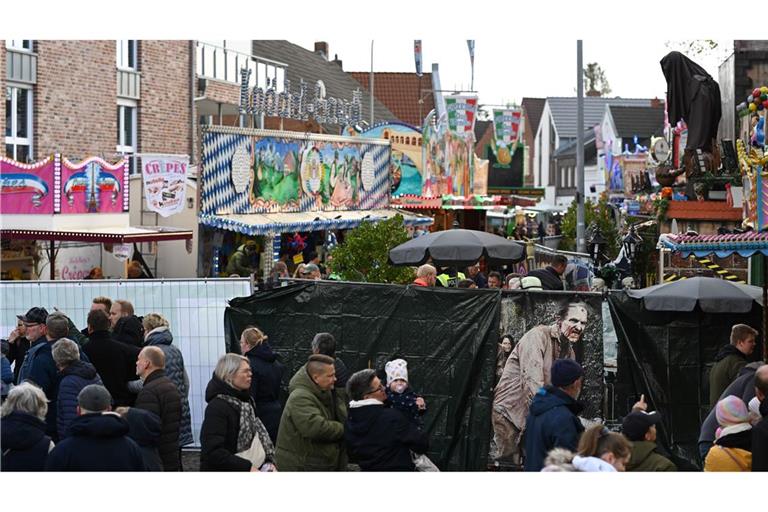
(255, 453)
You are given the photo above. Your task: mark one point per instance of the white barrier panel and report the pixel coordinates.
(193, 307)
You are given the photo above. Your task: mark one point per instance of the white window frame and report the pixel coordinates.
(13, 139)
(18, 44)
(122, 148)
(123, 53)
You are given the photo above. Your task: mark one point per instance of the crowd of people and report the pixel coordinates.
(114, 397)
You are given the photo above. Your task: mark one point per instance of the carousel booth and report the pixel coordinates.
(292, 193)
(56, 200)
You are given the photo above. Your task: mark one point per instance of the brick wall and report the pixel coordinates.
(75, 99)
(164, 109)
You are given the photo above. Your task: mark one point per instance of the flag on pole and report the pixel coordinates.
(471, 46)
(417, 55)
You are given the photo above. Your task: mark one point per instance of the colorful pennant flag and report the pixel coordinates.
(417, 55)
(506, 129)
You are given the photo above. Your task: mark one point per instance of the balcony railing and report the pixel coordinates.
(128, 84)
(224, 64)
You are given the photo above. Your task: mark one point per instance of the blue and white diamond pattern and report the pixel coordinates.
(378, 196)
(218, 193)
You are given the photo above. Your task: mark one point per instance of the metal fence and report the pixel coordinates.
(194, 308)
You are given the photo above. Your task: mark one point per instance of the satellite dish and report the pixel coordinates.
(659, 149)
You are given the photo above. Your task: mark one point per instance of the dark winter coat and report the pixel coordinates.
(646, 458)
(265, 386)
(176, 371)
(552, 423)
(160, 396)
(24, 443)
(760, 440)
(7, 377)
(16, 352)
(381, 439)
(116, 363)
(145, 428)
(743, 387)
(221, 425)
(129, 330)
(73, 379)
(405, 402)
(728, 362)
(550, 280)
(43, 372)
(311, 434)
(29, 356)
(97, 442)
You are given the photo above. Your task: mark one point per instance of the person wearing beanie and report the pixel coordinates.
(98, 438)
(640, 428)
(553, 419)
(733, 446)
(527, 369)
(400, 394)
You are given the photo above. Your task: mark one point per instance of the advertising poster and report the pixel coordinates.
(93, 186)
(535, 329)
(26, 188)
(165, 180)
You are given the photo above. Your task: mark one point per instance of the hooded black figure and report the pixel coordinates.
(693, 96)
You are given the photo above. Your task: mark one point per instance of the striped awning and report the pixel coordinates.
(274, 223)
(722, 246)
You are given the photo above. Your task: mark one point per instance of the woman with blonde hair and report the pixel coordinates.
(22, 428)
(267, 374)
(157, 333)
(232, 438)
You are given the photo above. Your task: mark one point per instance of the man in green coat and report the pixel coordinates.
(240, 261)
(640, 428)
(730, 360)
(311, 432)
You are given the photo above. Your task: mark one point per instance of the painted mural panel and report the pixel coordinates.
(255, 172)
(93, 186)
(26, 188)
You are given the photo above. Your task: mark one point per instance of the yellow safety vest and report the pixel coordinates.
(450, 282)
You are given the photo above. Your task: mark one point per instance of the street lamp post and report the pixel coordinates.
(630, 243)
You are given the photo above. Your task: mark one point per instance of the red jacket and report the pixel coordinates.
(420, 282)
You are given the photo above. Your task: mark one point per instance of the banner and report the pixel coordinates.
(417, 55)
(256, 172)
(165, 179)
(77, 262)
(461, 114)
(94, 186)
(535, 329)
(506, 129)
(26, 188)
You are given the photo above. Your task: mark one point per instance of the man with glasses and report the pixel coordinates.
(18, 344)
(34, 325)
(379, 438)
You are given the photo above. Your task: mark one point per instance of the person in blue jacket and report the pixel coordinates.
(75, 375)
(552, 420)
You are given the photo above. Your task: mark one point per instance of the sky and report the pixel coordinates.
(500, 78)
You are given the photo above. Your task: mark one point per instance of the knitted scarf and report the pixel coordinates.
(250, 426)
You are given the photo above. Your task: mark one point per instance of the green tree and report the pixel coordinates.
(364, 253)
(595, 81)
(599, 213)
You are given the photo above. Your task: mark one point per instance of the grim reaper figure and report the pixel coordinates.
(693, 96)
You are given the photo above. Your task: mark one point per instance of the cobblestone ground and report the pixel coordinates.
(190, 460)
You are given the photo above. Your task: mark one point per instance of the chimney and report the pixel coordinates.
(592, 93)
(655, 103)
(337, 61)
(321, 48)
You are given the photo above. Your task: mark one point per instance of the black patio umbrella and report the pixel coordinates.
(457, 247)
(713, 295)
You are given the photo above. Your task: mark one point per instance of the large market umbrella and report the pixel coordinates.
(457, 247)
(713, 295)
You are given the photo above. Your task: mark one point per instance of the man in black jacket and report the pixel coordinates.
(379, 438)
(126, 327)
(760, 431)
(98, 438)
(115, 361)
(550, 277)
(160, 396)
